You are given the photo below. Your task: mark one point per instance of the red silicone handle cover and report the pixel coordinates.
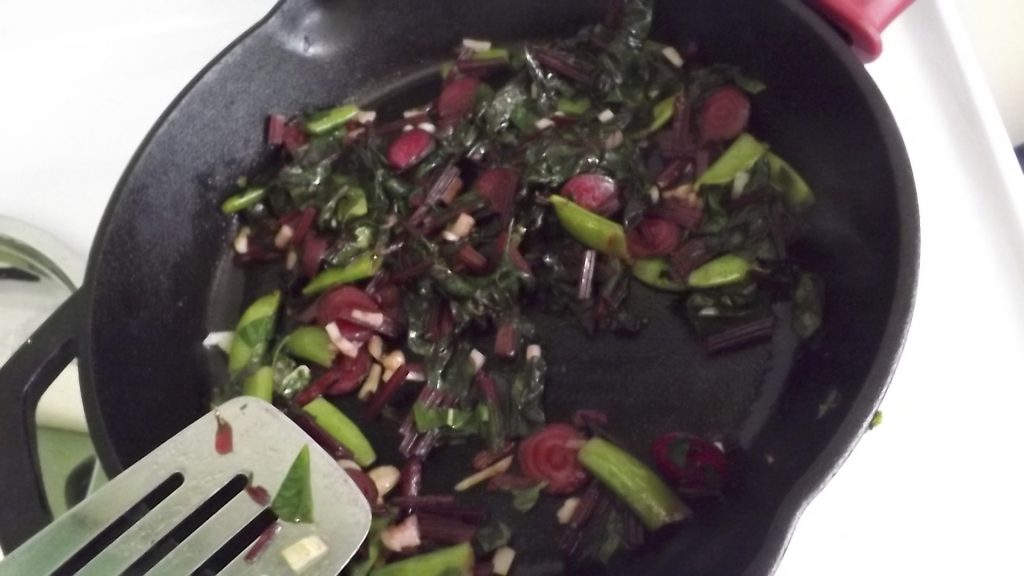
(862, 20)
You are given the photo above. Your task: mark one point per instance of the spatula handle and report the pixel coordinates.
(862, 20)
(23, 379)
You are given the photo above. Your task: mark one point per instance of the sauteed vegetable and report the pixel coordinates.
(544, 178)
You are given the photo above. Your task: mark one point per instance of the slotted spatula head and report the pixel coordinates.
(187, 507)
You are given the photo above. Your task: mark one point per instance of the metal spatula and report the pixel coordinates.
(187, 508)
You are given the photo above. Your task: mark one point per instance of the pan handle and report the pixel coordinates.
(23, 379)
(862, 21)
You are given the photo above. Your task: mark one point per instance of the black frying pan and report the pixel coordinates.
(161, 277)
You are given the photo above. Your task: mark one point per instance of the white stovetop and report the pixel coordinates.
(937, 489)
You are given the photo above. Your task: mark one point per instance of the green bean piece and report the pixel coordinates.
(661, 114)
(363, 267)
(491, 54)
(653, 272)
(344, 430)
(590, 229)
(243, 200)
(744, 152)
(573, 106)
(455, 560)
(311, 343)
(330, 120)
(722, 271)
(260, 384)
(253, 332)
(636, 484)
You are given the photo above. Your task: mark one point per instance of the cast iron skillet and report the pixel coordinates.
(160, 275)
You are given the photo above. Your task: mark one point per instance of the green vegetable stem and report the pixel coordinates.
(311, 343)
(722, 271)
(590, 229)
(242, 200)
(452, 561)
(253, 332)
(335, 423)
(330, 120)
(636, 484)
(260, 384)
(363, 267)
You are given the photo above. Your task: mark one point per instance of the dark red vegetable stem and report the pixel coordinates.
(510, 482)
(687, 258)
(483, 569)
(741, 335)
(318, 434)
(671, 174)
(589, 419)
(444, 530)
(412, 477)
(562, 64)
(585, 509)
(435, 193)
(506, 339)
(261, 543)
(385, 393)
(471, 258)
(258, 493)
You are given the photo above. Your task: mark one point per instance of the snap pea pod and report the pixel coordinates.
(360, 269)
(652, 271)
(744, 152)
(260, 384)
(661, 114)
(243, 200)
(590, 229)
(452, 561)
(311, 343)
(636, 484)
(330, 120)
(573, 106)
(788, 181)
(253, 332)
(344, 430)
(722, 271)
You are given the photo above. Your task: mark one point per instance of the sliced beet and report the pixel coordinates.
(276, 124)
(595, 192)
(652, 237)
(550, 455)
(350, 373)
(457, 98)
(313, 249)
(334, 303)
(498, 186)
(724, 115)
(409, 148)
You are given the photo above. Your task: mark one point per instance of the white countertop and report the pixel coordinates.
(937, 489)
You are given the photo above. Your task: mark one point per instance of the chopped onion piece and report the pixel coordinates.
(672, 55)
(291, 260)
(414, 112)
(284, 236)
(416, 373)
(654, 193)
(739, 183)
(393, 361)
(478, 359)
(502, 561)
(304, 553)
(427, 127)
(462, 226)
(544, 123)
(344, 345)
(532, 351)
(386, 478)
(242, 240)
(401, 536)
(220, 340)
(476, 45)
(349, 465)
(370, 319)
(407, 128)
(606, 116)
(449, 236)
(375, 347)
(366, 116)
(371, 383)
(614, 140)
(499, 467)
(568, 507)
